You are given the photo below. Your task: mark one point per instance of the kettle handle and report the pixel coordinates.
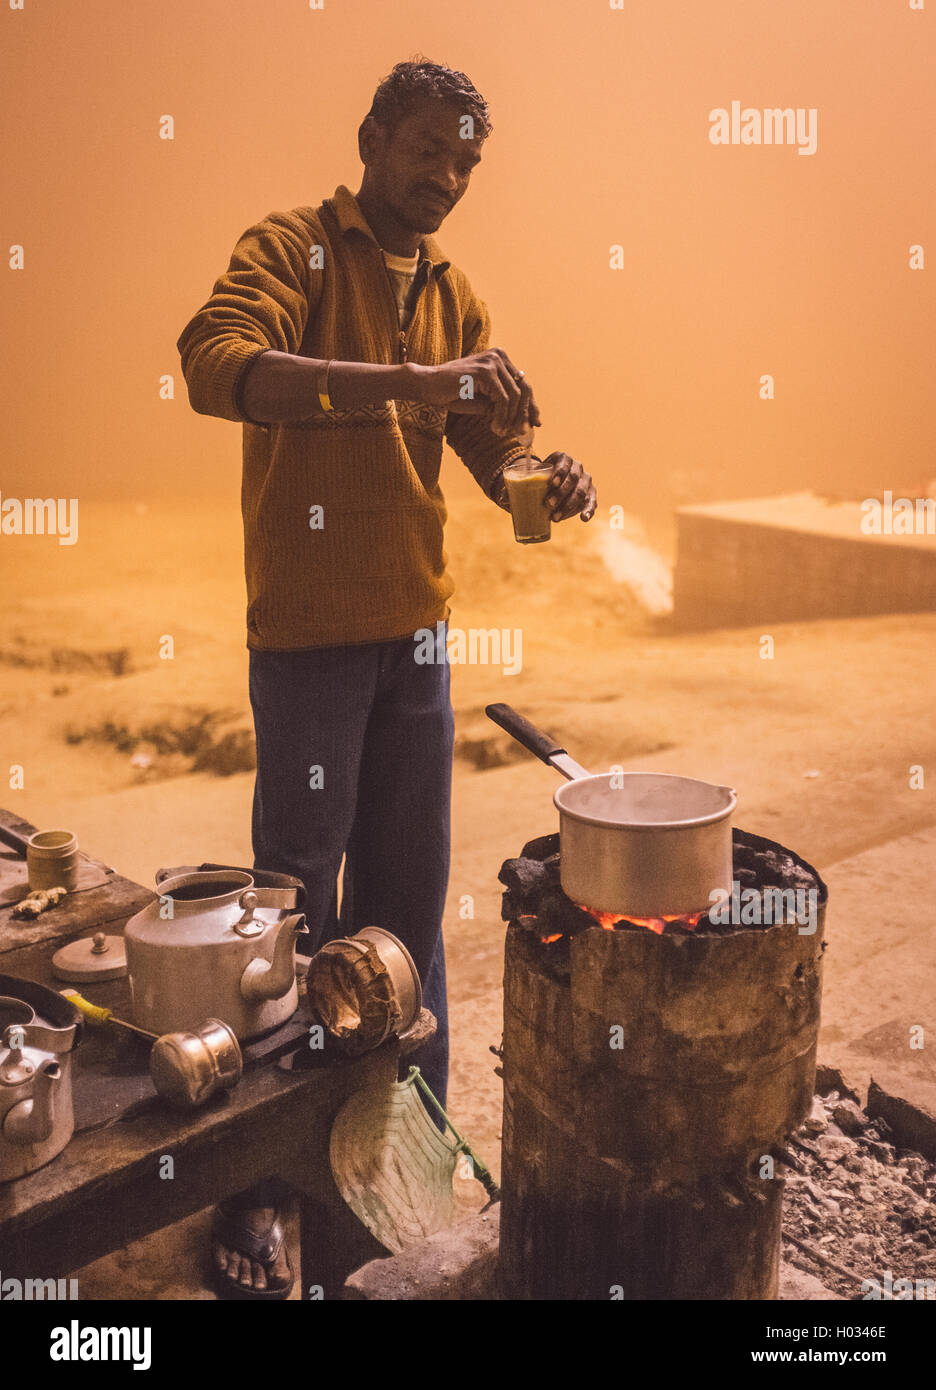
(272, 889)
(284, 890)
(284, 898)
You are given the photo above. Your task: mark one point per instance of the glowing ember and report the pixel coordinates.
(609, 920)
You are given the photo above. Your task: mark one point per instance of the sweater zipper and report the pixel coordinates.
(401, 336)
(401, 332)
(419, 295)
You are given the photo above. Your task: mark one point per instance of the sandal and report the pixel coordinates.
(228, 1227)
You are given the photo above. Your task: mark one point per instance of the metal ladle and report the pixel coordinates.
(186, 1069)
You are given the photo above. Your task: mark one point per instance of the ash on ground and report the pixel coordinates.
(859, 1212)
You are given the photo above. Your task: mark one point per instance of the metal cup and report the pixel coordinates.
(52, 860)
(187, 1069)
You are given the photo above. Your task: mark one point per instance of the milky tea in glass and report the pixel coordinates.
(526, 493)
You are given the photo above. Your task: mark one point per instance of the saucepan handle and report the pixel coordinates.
(542, 746)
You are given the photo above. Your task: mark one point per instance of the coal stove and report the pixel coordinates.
(653, 1068)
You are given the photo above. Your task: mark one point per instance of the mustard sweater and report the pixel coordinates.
(370, 564)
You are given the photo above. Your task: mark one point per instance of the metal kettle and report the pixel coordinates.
(214, 943)
(36, 1116)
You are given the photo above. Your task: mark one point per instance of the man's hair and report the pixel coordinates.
(411, 83)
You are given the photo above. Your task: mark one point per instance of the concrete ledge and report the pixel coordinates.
(781, 559)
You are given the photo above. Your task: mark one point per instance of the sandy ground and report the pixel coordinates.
(819, 742)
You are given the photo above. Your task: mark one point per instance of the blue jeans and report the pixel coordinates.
(354, 758)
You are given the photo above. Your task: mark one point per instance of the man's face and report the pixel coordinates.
(423, 168)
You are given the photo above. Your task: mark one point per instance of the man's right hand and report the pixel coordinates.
(486, 383)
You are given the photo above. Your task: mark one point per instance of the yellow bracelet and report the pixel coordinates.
(324, 401)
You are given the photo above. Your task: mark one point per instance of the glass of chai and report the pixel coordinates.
(530, 509)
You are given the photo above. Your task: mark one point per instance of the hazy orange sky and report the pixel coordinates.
(739, 260)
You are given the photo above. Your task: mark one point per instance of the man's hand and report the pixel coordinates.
(485, 383)
(571, 490)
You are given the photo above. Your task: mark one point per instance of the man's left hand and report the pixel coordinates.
(571, 490)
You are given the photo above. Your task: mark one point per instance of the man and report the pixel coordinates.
(348, 346)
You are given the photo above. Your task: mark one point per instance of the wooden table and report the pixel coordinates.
(108, 1186)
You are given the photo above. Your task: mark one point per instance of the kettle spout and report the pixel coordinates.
(271, 979)
(31, 1121)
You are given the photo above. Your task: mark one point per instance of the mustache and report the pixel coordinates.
(439, 197)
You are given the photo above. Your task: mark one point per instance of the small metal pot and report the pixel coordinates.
(188, 1068)
(636, 844)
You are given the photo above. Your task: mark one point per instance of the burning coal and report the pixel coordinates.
(611, 920)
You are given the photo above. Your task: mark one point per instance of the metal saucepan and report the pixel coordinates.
(639, 844)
